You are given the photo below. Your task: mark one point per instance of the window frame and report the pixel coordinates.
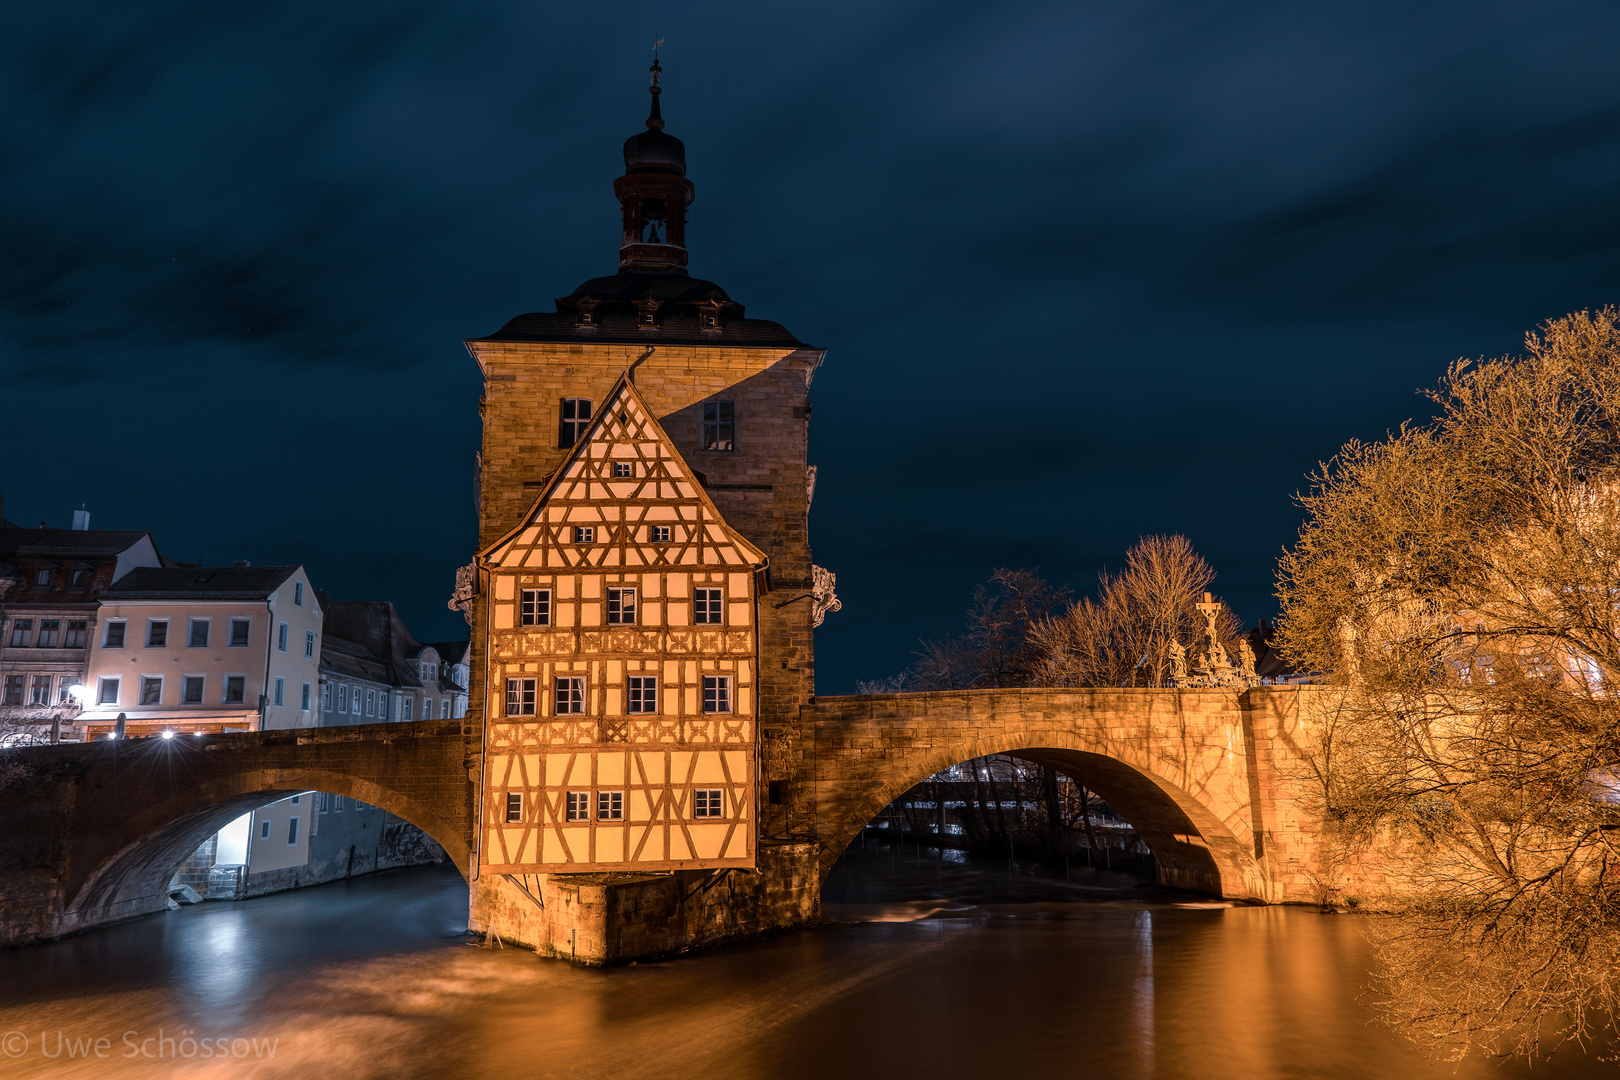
(152, 626)
(708, 804)
(22, 633)
(247, 633)
(225, 688)
(514, 808)
(535, 611)
(283, 636)
(576, 690)
(708, 601)
(659, 534)
(309, 644)
(279, 698)
(146, 686)
(571, 428)
(191, 632)
(640, 691)
(122, 625)
(616, 611)
(524, 692)
(185, 690)
(46, 636)
(718, 689)
(723, 422)
(610, 805)
(116, 681)
(584, 534)
(577, 806)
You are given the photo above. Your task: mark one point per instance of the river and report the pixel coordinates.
(935, 969)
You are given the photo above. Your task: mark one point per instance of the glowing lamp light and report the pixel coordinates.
(80, 693)
(168, 734)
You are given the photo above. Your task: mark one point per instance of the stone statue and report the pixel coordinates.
(1178, 663)
(466, 587)
(822, 597)
(1246, 659)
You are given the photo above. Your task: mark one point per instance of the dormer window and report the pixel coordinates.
(709, 314)
(585, 312)
(42, 578)
(647, 314)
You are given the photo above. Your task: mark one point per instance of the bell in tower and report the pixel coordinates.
(654, 193)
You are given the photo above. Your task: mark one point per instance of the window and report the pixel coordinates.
(570, 695)
(382, 705)
(191, 690)
(718, 428)
(578, 807)
(298, 594)
(622, 469)
(659, 534)
(576, 417)
(281, 691)
(326, 696)
(584, 534)
(64, 690)
(42, 578)
(264, 830)
(520, 695)
(343, 699)
(292, 830)
(151, 690)
(706, 609)
(717, 693)
(114, 638)
(643, 694)
(79, 578)
(309, 644)
(621, 607)
(236, 689)
(706, 803)
(108, 694)
(197, 635)
(514, 806)
(405, 709)
(294, 799)
(429, 672)
(40, 692)
(14, 690)
(157, 633)
(239, 633)
(371, 703)
(22, 632)
(49, 631)
(610, 806)
(281, 638)
(534, 608)
(337, 804)
(303, 701)
(74, 638)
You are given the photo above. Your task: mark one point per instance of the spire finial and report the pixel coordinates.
(655, 120)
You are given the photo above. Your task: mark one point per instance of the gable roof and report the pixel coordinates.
(68, 543)
(199, 583)
(584, 492)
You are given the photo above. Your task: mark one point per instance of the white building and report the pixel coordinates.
(195, 649)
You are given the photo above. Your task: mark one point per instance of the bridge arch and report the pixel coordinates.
(125, 870)
(1179, 784)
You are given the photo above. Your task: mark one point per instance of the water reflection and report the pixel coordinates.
(937, 970)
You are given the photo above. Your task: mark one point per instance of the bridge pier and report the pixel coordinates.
(606, 919)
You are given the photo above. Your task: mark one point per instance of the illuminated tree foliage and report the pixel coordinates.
(1461, 582)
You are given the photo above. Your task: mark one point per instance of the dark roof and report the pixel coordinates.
(67, 543)
(376, 626)
(199, 583)
(615, 304)
(353, 660)
(451, 652)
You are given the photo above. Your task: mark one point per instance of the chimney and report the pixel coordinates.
(81, 519)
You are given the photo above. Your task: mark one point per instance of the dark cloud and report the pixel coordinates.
(1085, 272)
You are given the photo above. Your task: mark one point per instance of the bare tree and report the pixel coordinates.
(1461, 578)
(1122, 636)
(995, 650)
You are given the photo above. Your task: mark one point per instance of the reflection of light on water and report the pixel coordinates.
(952, 855)
(1142, 932)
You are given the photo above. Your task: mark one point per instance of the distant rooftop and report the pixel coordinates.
(199, 583)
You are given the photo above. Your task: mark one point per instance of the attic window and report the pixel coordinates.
(585, 311)
(647, 314)
(709, 314)
(622, 469)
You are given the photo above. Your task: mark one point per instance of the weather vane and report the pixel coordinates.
(655, 69)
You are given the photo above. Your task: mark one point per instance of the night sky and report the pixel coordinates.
(1085, 271)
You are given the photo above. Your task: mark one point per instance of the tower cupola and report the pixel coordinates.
(654, 193)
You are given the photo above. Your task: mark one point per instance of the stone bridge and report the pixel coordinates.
(1210, 779)
(90, 834)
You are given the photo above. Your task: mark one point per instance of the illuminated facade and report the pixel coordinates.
(643, 598)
